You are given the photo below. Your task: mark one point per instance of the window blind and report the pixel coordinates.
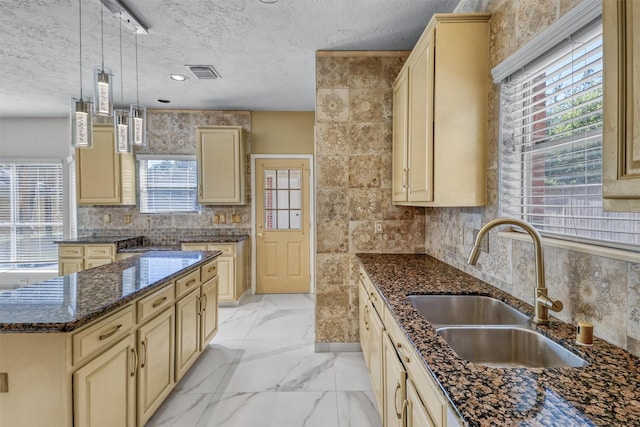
(168, 185)
(551, 146)
(31, 214)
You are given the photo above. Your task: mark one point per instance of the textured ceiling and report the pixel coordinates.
(264, 52)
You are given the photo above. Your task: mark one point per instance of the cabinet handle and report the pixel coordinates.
(407, 178)
(211, 269)
(404, 176)
(373, 296)
(199, 306)
(144, 358)
(395, 401)
(110, 333)
(117, 191)
(190, 282)
(134, 358)
(405, 405)
(159, 302)
(401, 352)
(200, 187)
(204, 305)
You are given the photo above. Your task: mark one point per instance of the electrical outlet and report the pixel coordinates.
(235, 218)
(216, 219)
(223, 218)
(106, 218)
(127, 219)
(379, 227)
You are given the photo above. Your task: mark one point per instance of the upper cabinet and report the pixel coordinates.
(104, 177)
(221, 166)
(621, 133)
(440, 107)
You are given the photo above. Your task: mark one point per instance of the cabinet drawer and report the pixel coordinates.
(70, 251)
(152, 304)
(209, 270)
(99, 251)
(429, 391)
(225, 248)
(102, 334)
(187, 283)
(194, 247)
(372, 292)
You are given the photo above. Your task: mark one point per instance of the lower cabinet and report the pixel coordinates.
(417, 414)
(395, 377)
(104, 390)
(209, 311)
(187, 332)
(156, 365)
(73, 258)
(406, 392)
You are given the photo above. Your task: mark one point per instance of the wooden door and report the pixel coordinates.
(209, 318)
(282, 225)
(400, 117)
(98, 170)
(394, 386)
(417, 414)
(156, 348)
(187, 332)
(420, 148)
(104, 389)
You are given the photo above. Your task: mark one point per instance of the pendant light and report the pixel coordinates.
(102, 87)
(121, 116)
(81, 124)
(137, 115)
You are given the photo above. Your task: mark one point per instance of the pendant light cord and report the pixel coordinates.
(80, 38)
(121, 68)
(102, 34)
(137, 93)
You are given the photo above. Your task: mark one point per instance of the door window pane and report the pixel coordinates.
(282, 207)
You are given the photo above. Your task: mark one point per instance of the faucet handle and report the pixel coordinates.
(550, 303)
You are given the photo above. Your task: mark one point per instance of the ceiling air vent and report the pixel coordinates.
(204, 71)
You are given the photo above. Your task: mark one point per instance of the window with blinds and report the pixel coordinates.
(168, 184)
(551, 146)
(31, 214)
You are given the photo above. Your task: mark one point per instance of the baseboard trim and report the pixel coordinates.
(337, 347)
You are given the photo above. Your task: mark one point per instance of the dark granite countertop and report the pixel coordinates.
(216, 238)
(65, 303)
(97, 240)
(147, 248)
(605, 392)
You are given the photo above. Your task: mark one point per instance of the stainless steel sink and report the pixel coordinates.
(466, 310)
(508, 347)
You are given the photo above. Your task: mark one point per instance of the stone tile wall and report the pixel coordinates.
(353, 182)
(173, 132)
(601, 290)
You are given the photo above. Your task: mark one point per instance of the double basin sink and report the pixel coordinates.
(488, 332)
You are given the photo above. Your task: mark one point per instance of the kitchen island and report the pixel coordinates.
(105, 346)
(604, 392)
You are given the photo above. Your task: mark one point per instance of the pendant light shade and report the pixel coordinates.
(138, 125)
(80, 114)
(121, 131)
(137, 115)
(102, 93)
(81, 123)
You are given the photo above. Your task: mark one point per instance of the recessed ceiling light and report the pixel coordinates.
(178, 77)
(164, 101)
(269, 1)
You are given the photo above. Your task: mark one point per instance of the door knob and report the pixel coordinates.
(259, 235)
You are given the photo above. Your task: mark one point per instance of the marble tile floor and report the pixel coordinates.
(261, 370)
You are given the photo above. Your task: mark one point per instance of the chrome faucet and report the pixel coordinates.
(542, 302)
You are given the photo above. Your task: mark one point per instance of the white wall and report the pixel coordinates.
(38, 139)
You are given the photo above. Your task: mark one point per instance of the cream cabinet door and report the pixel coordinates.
(400, 136)
(156, 348)
(417, 414)
(187, 332)
(420, 124)
(226, 273)
(104, 389)
(621, 132)
(375, 356)
(394, 386)
(364, 323)
(70, 265)
(221, 165)
(102, 176)
(209, 317)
